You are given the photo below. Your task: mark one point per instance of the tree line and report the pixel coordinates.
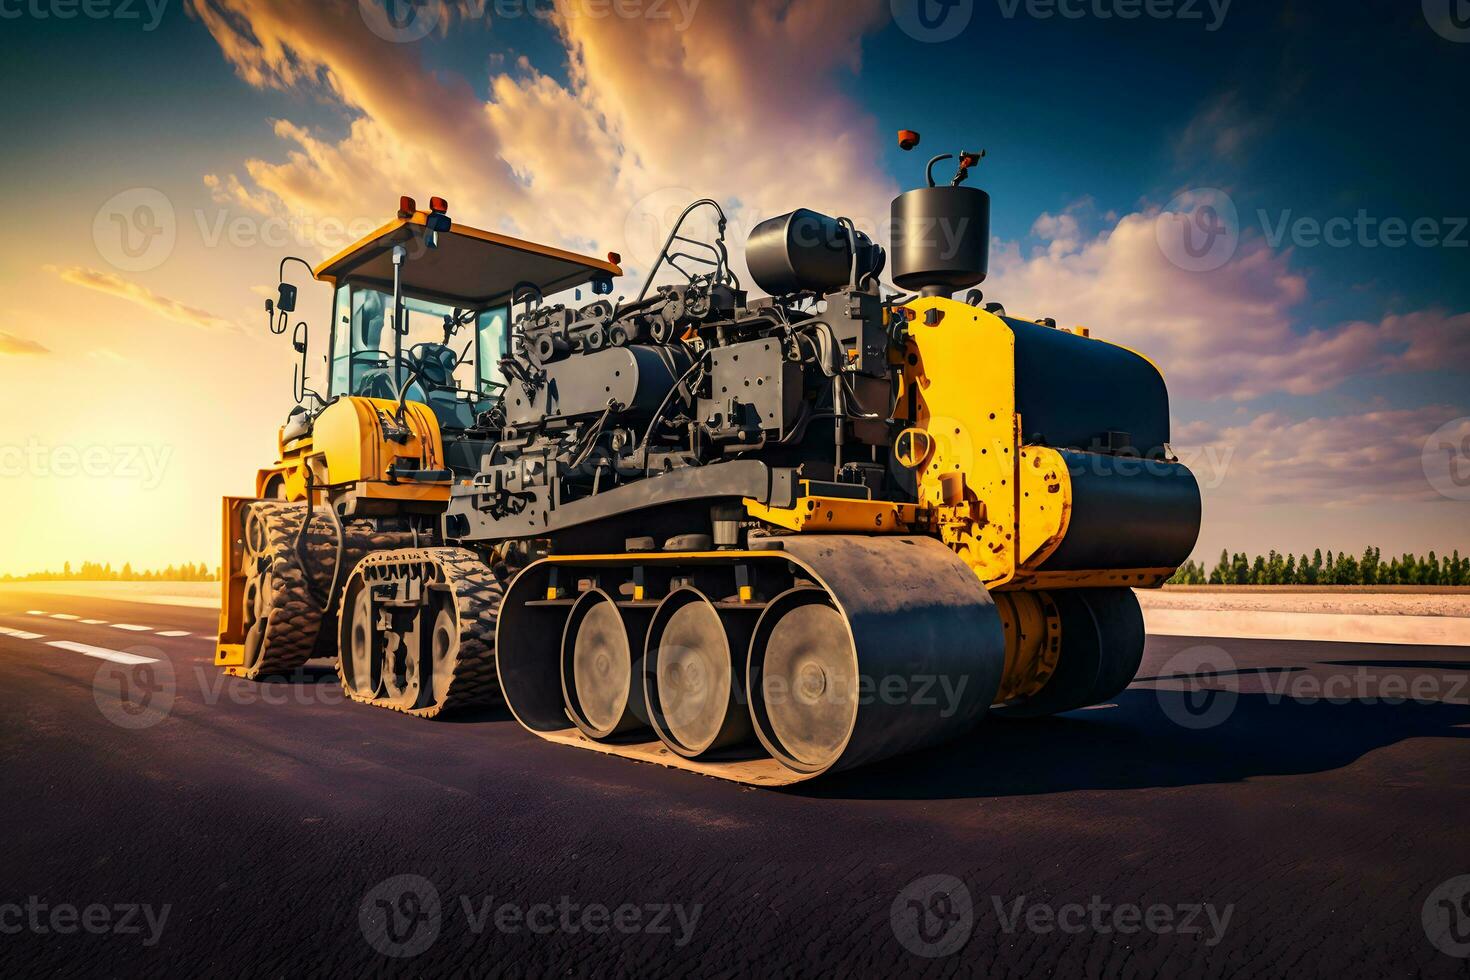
(1339, 569)
(91, 571)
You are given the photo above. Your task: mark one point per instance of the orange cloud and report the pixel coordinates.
(112, 285)
(650, 114)
(10, 344)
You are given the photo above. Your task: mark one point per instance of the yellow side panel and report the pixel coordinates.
(838, 514)
(1045, 505)
(350, 438)
(230, 649)
(960, 370)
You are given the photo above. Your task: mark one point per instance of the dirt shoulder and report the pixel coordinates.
(1354, 601)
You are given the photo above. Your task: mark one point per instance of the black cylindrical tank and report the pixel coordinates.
(941, 238)
(806, 251)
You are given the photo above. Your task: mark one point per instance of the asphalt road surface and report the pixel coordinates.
(1224, 818)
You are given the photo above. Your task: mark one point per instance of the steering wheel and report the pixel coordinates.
(431, 359)
(377, 359)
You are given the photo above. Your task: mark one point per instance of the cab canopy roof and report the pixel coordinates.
(471, 269)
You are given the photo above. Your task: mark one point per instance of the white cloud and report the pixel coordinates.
(1350, 460)
(1233, 332)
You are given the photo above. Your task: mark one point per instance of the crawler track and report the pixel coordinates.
(289, 614)
(418, 634)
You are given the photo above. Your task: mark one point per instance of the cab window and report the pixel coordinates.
(490, 347)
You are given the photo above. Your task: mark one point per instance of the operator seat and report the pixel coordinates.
(435, 365)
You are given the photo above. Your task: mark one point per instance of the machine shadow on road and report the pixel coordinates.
(321, 673)
(1140, 744)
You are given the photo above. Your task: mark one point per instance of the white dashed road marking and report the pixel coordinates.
(129, 627)
(101, 653)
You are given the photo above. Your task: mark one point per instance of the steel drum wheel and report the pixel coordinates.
(598, 670)
(806, 680)
(693, 684)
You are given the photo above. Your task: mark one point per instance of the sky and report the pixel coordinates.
(1268, 199)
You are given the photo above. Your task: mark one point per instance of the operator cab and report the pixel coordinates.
(455, 285)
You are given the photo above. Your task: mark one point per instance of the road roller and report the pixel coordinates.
(761, 530)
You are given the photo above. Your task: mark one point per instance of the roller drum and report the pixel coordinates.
(695, 674)
(896, 647)
(601, 654)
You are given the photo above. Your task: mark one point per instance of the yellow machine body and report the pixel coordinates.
(1005, 503)
(352, 446)
(352, 449)
(1008, 504)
